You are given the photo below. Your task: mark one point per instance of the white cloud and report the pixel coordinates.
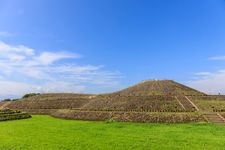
(47, 58)
(61, 86)
(210, 82)
(12, 88)
(25, 69)
(10, 49)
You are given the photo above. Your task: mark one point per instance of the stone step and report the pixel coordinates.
(214, 118)
(185, 103)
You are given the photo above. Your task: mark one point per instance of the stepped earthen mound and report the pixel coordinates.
(152, 96)
(142, 102)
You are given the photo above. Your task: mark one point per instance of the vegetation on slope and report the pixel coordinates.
(30, 95)
(134, 103)
(12, 115)
(155, 103)
(155, 117)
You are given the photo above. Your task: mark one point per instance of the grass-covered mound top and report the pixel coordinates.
(8, 114)
(159, 87)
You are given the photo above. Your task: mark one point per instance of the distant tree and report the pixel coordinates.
(15, 99)
(30, 95)
(6, 100)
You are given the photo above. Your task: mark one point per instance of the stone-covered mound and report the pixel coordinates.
(159, 87)
(7, 114)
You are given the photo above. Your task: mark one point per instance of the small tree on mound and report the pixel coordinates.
(30, 95)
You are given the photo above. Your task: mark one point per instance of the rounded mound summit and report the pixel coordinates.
(158, 87)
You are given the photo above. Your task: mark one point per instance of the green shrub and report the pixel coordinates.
(30, 95)
(12, 115)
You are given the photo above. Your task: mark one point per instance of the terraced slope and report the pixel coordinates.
(12, 115)
(159, 87)
(210, 103)
(44, 103)
(4, 104)
(155, 103)
(215, 118)
(98, 103)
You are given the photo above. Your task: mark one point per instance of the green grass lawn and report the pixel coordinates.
(44, 132)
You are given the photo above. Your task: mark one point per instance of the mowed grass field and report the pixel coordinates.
(45, 132)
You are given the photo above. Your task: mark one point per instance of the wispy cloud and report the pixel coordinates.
(217, 58)
(209, 82)
(25, 69)
(6, 34)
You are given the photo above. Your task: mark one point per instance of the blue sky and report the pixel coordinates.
(105, 45)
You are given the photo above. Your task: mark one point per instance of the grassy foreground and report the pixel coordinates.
(44, 132)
